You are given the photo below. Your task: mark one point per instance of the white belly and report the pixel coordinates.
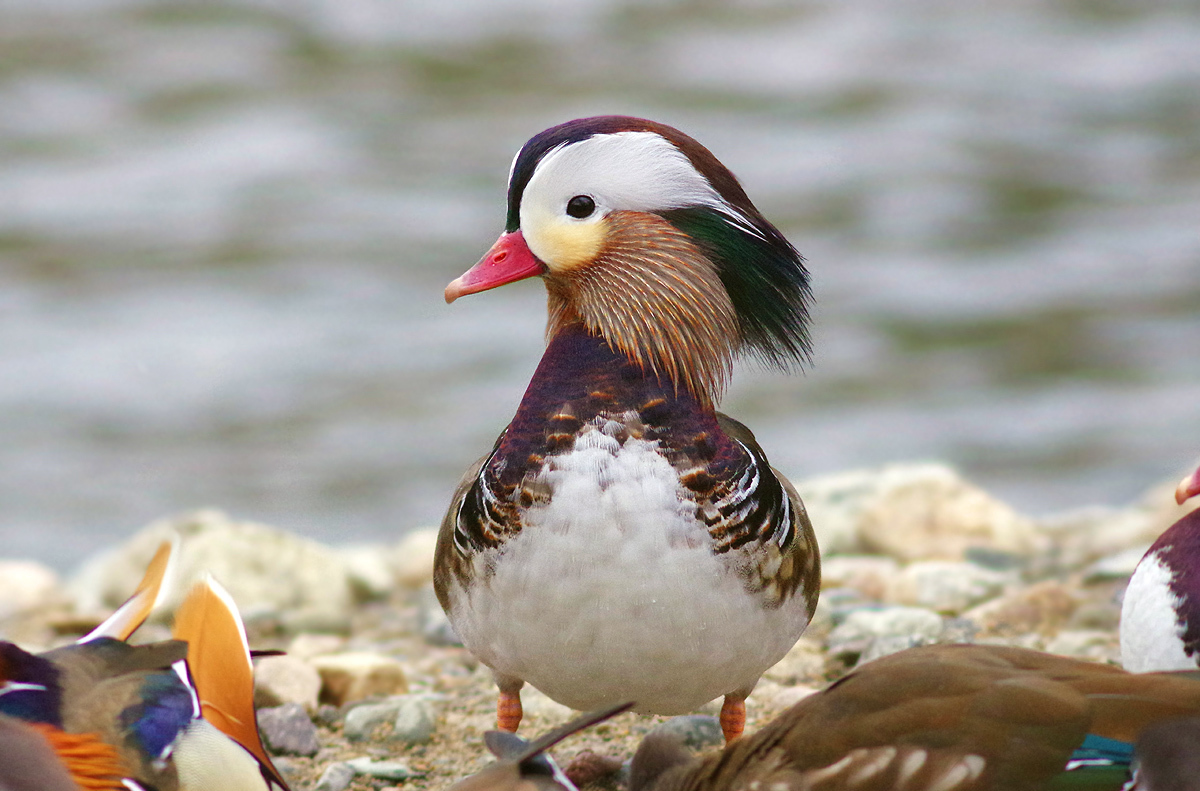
(1151, 635)
(611, 593)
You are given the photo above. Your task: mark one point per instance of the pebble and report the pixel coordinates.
(361, 721)
(803, 662)
(26, 585)
(1086, 644)
(1119, 566)
(435, 626)
(871, 576)
(912, 512)
(892, 625)
(1042, 608)
(387, 770)
(370, 574)
(947, 587)
(414, 722)
(696, 731)
(412, 559)
(354, 676)
(786, 697)
(265, 569)
(285, 679)
(336, 777)
(287, 729)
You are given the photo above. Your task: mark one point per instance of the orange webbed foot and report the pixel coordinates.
(508, 711)
(733, 717)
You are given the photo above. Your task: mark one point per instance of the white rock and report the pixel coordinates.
(804, 661)
(862, 627)
(947, 587)
(336, 777)
(362, 720)
(26, 585)
(412, 559)
(912, 512)
(871, 575)
(786, 697)
(1119, 566)
(267, 571)
(369, 570)
(835, 504)
(387, 770)
(357, 675)
(286, 679)
(1085, 644)
(414, 722)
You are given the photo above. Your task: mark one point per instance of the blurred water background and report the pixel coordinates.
(225, 228)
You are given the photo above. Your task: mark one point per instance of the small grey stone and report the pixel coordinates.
(994, 559)
(414, 721)
(328, 715)
(286, 767)
(696, 731)
(958, 630)
(336, 777)
(287, 729)
(388, 770)
(435, 626)
(854, 636)
(1119, 566)
(890, 644)
(840, 602)
(362, 720)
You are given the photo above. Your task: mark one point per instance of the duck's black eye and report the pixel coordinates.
(581, 206)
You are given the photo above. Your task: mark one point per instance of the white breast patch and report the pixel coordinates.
(611, 591)
(1151, 635)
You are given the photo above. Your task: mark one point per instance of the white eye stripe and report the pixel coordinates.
(631, 171)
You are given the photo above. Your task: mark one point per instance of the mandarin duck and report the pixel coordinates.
(40, 757)
(1167, 757)
(1160, 614)
(623, 540)
(941, 718)
(176, 714)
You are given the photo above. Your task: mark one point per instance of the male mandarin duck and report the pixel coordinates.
(624, 540)
(1160, 614)
(40, 757)
(934, 718)
(176, 714)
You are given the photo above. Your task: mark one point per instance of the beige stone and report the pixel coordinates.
(26, 585)
(1041, 608)
(912, 512)
(945, 586)
(268, 571)
(412, 559)
(285, 679)
(871, 575)
(354, 676)
(804, 662)
(926, 512)
(369, 570)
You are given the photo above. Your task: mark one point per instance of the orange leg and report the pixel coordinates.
(508, 711)
(733, 717)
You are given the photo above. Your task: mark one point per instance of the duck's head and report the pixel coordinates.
(643, 236)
